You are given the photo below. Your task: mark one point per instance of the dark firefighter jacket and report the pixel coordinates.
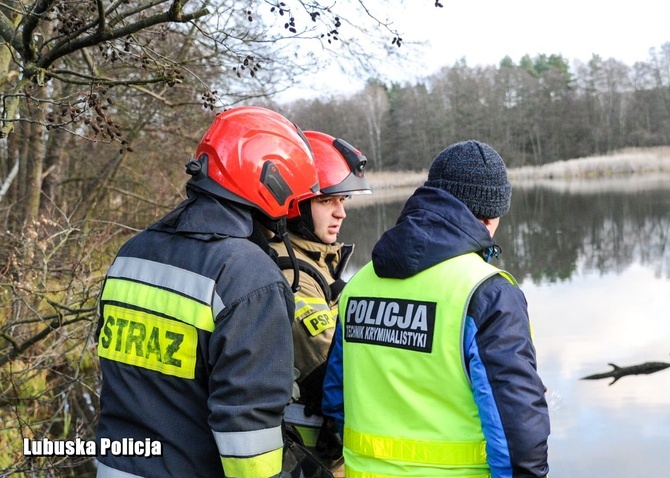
(195, 346)
(497, 348)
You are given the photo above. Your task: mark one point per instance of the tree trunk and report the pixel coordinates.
(34, 158)
(53, 170)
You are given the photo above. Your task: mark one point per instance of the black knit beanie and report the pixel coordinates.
(476, 175)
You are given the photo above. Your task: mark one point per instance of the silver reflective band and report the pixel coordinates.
(188, 283)
(245, 444)
(295, 415)
(105, 471)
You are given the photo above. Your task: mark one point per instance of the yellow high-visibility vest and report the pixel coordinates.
(408, 405)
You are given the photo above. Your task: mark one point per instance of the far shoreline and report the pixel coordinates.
(650, 167)
(621, 163)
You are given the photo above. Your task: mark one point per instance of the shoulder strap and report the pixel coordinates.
(284, 262)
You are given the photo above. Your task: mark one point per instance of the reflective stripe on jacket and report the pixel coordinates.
(408, 403)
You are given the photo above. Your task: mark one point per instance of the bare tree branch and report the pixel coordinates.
(28, 26)
(8, 32)
(66, 48)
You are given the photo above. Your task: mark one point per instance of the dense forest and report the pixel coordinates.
(540, 110)
(104, 102)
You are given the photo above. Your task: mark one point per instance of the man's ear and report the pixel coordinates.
(491, 224)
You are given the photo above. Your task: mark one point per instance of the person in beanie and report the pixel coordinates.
(433, 371)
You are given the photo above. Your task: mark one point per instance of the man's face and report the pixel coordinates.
(327, 215)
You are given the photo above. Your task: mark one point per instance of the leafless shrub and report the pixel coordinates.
(49, 373)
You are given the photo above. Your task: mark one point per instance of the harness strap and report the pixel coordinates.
(284, 262)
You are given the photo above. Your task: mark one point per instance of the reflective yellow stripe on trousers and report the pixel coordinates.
(418, 451)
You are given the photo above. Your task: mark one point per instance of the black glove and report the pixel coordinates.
(300, 463)
(329, 442)
(290, 464)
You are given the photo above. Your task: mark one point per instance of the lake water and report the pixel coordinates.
(593, 258)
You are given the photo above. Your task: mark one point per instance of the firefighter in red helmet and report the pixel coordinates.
(195, 318)
(314, 224)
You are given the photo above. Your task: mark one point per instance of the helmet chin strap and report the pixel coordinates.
(303, 225)
(282, 232)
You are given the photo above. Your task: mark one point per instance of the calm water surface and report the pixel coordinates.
(593, 259)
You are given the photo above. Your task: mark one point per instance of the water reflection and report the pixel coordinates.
(552, 234)
(593, 259)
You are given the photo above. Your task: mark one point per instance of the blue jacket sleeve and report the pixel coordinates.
(500, 358)
(333, 397)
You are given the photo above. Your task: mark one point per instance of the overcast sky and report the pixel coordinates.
(484, 31)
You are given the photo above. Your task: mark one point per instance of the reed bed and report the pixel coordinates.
(653, 163)
(621, 163)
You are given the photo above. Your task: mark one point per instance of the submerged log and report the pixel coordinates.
(617, 372)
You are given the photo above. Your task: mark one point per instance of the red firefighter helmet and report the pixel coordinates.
(254, 156)
(339, 167)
